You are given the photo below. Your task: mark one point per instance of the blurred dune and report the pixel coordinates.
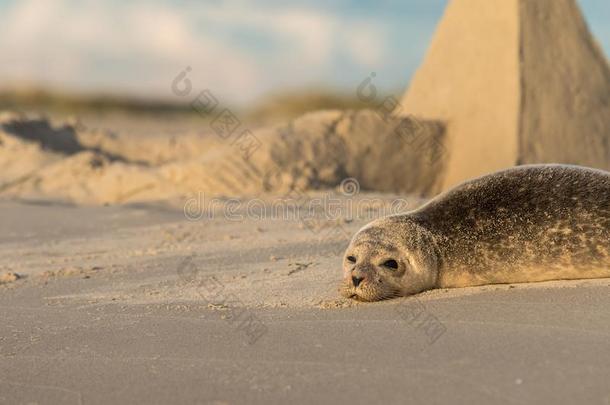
(273, 107)
(289, 105)
(43, 99)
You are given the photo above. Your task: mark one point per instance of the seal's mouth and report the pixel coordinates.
(354, 297)
(368, 293)
(351, 293)
(359, 298)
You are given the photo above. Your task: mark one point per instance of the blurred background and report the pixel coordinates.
(265, 58)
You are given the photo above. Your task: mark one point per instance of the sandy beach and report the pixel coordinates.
(102, 315)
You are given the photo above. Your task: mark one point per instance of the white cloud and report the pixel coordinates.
(139, 46)
(366, 44)
(308, 32)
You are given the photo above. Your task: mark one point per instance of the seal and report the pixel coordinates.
(525, 224)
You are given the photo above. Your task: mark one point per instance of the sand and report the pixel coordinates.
(9, 277)
(102, 314)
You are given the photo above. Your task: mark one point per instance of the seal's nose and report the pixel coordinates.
(357, 280)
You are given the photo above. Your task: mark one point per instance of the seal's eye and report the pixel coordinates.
(351, 259)
(390, 264)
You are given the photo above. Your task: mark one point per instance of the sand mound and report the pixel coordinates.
(147, 150)
(316, 151)
(319, 150)
(42, 162)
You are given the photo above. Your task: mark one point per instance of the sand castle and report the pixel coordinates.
(516, 82)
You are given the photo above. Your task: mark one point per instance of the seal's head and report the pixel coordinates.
(390, 257)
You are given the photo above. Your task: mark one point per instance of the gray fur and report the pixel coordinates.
(529, 223)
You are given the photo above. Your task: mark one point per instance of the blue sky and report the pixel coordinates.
(239, 49)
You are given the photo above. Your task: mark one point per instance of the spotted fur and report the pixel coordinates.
(530, 223)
